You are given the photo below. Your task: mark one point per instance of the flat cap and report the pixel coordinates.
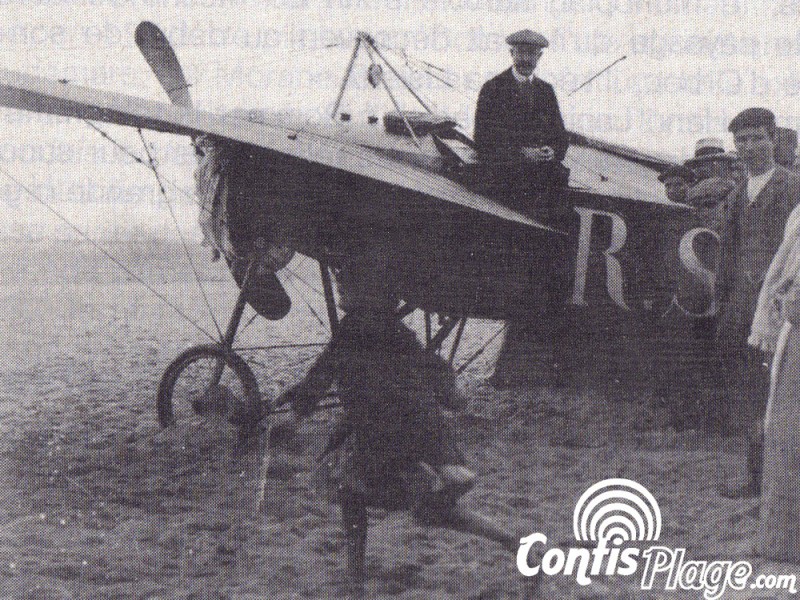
(526, 37)
(753, 117)
(677, 171)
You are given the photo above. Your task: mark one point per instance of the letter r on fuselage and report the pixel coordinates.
(619, 234)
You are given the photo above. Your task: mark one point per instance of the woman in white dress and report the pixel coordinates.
(776, 328)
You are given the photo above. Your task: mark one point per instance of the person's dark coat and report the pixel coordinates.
(508, 119)
(391, 388)
(750, 236)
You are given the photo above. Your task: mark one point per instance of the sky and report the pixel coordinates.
(690, 66)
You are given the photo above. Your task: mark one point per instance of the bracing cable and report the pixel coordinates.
(107, 254)
(154, 169)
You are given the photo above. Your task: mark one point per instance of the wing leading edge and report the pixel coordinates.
(37, 94)
(649, 160)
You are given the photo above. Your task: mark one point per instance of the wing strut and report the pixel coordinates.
(393, 99)
(369, 45)
(346, 77)
(157, 175)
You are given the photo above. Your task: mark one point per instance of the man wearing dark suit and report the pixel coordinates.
(517, 118)
(755, 216)
(521, 141)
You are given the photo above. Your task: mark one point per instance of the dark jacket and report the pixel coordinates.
(505, 121)
(750, 236)
(389, 386)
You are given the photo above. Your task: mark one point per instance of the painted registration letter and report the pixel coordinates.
(619, 234)
(692, 263)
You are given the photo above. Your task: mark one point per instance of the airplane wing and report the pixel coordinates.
(607, 173)
(652, 161)
(37, 94)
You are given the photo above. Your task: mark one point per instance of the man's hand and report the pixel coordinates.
(543, 154)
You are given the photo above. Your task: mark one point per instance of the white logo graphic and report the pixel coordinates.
(610, 519)
(617, 510)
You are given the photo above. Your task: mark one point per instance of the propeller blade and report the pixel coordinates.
(162, 59)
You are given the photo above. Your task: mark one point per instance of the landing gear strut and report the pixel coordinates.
(213, 379)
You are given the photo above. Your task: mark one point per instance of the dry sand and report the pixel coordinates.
(96, 501)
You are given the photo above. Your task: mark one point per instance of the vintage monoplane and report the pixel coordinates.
(322, 188)
(270, 185)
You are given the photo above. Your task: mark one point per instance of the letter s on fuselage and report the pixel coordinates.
(691, 265)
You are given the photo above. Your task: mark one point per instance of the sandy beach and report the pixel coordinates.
(99, 502)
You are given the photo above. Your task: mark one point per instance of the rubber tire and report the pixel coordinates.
(255, 408)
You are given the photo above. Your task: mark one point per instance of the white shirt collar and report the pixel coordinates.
(520, 77)
(756, 183)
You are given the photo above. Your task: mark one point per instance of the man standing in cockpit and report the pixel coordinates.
(521, 141)
(518, 124)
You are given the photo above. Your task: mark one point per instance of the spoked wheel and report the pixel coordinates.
(209, 381)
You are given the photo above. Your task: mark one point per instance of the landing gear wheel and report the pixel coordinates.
(209, 380)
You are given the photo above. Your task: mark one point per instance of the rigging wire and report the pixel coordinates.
(293, 272)
(249, 322)
(142, 162)
(136, 277)
(192, 197)
(156, 174)
(159, 178)
(107, 254)
(466, 91)
(125, 150)
(462, 89)
(463, 366)
(407, 58)
(596, 75)
(307, 284)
